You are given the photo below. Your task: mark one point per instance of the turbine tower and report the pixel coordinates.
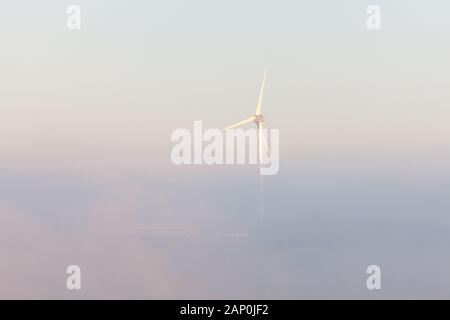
(258, 119)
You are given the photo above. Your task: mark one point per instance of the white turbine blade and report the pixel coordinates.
(262, 142)
(261, 92)
(248, 120)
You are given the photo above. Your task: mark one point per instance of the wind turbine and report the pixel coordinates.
(258, 119)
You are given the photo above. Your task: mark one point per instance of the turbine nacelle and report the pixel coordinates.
(259, 118)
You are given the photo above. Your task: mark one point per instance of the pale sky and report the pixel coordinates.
(85, 124)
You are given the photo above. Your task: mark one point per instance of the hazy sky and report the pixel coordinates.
(85, 171)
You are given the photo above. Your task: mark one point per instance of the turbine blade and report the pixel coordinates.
(248, 120)
(261, 92)
(262, 141)
(265, 143)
